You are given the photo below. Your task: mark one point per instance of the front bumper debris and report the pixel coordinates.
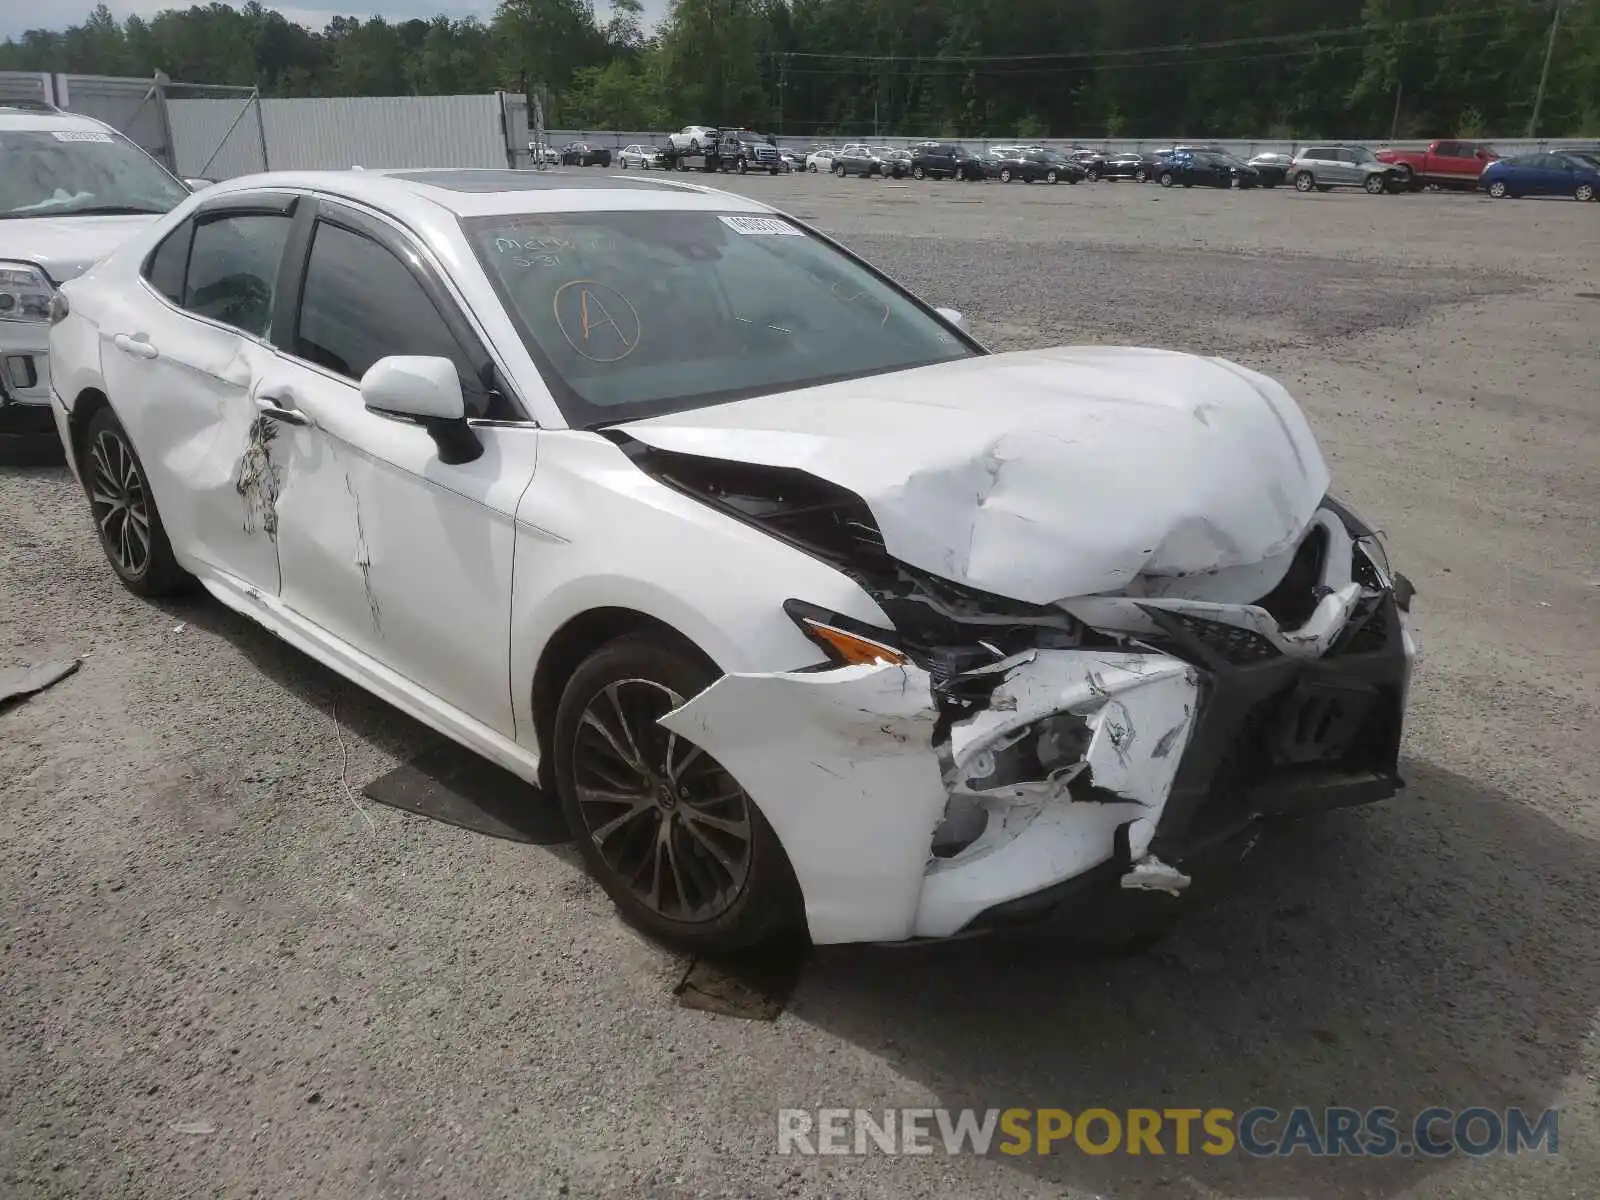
(916, 806)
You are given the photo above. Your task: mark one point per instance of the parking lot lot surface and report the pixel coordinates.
(223, 973)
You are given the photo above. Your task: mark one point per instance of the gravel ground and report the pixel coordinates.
(220, 976)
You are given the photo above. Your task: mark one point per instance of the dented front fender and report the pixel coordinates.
(857, 768)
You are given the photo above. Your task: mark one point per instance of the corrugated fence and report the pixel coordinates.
(212, 140)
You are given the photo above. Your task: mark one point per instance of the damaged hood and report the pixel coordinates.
(66, 247)
(1043, 475)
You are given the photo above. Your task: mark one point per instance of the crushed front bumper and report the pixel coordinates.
(919, 807)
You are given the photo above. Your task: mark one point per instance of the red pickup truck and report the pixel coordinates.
(1448, 164)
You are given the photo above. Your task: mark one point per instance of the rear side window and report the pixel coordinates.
(233, 270)
(166, 268)
(360, 303)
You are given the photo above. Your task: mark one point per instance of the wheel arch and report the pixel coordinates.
(84, 406)
(575, 641)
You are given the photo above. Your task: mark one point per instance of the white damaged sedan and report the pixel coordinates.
(811, 611)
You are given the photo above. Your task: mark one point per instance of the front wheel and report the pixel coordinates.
(1375, 185)
(839, 171)
(1141, 176)
(1584, 191)
(1168, 179)
(1092, 175)
(125, 517)
(918, 173)
(1051, 177)
(1499, 190)
(1005, 176)
(674, 840)
(1304, 181)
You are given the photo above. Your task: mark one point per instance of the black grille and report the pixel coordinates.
(1240, 647)
(1368, 632)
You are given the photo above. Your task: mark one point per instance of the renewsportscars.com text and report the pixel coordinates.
(1255, 1132)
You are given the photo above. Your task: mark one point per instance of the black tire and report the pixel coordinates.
(1167, 179)
(918, 173)
(111, 469)
(1051, 177)
(1304, 181)
(1005, 175)
(1498, 189)
(1584, 192)
(1407, 179)
(1092, 175)
(757, 898)
(811, 168)
(1374, 185)
(838, 169)
(741, 167)
(1141, 176)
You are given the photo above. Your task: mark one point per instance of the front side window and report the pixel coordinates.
(360, 303)
(80, 173)
(233, 270)
(635, 313)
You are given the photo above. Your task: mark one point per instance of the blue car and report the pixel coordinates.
(1573, 173)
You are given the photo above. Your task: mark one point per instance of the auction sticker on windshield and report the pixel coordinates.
(761, 226)
(72, 136)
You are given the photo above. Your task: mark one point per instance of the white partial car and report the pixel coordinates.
(72, 189)
(641, 157)
(821, 160)
(808, 610)
(694, 139)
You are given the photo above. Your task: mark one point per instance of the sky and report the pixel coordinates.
(19, 15)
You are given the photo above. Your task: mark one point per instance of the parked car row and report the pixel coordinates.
(1314, 168)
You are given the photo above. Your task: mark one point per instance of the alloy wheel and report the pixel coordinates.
(1497, 189)
(1585, 192)
(669, 822)
(120, 503)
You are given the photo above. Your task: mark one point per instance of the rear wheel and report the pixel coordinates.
(1005, 175)
(677, 844)
(125, 517)
(1304, 181)
(918, 173)
(1168, 179)
(839, 170)
(1092, 175)
(1141, 176)
(1051, 177)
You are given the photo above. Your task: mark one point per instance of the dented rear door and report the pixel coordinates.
(182, 363)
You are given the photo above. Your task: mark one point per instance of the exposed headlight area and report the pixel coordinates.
(25, 293)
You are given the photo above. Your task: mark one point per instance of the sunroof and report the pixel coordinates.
(490, 180)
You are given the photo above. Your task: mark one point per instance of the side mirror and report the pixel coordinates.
(428, 391)
(953, 317)
(199, 185)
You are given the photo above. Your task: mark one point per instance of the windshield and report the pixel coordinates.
(632, 314)
(60, 173)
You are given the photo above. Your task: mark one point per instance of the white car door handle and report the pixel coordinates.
(278, 404)
(136, 347)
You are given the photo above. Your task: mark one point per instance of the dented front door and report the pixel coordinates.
(402, 558)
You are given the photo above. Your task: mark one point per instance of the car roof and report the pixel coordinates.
(33, 120)
(467, 192)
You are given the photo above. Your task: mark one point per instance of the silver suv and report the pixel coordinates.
(1325, 167)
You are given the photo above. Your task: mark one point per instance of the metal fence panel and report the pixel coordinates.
(217, 137)
(385, 131)
(31, 86)
(133, 106)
